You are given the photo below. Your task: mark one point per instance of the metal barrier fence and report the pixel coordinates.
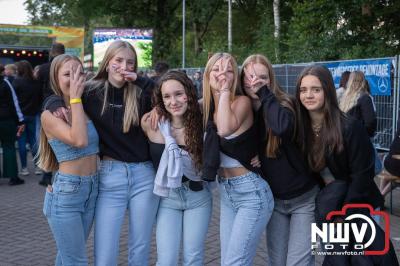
(386, 106)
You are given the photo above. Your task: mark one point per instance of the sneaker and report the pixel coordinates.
(16, 181)
(38, 171)
(24, 171)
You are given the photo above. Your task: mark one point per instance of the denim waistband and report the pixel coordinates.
(75, 177)
(239, 179)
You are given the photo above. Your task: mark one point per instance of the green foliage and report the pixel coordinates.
(314, 30)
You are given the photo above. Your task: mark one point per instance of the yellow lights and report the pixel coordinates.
(5, 51)
(12, 52)
(23, 52)
(34, 52)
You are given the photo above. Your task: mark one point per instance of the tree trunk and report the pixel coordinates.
(277, 24)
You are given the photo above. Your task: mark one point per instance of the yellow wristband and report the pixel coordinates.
(75, 100)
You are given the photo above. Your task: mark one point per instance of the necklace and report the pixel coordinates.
(316, 129)
(177, 127)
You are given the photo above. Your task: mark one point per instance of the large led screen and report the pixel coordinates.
(141, 39)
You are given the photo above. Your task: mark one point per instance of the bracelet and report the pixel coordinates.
(75, 100)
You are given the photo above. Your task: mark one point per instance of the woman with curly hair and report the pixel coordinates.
(176, 151)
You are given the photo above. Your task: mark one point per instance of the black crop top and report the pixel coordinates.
(156, 151)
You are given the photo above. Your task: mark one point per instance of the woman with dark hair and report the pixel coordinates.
(283, 163)
(28, 91)
(337, 147)
(176, 147)
(342, 85)
(231, 142)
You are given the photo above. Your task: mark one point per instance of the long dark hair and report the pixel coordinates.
(330, 137)
(192, 119)
(24, 69)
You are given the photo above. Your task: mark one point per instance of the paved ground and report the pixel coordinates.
(25, 238)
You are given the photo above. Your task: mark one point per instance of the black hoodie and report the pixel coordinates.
(126, 147)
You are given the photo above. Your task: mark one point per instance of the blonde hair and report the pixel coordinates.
(284, 99)
(356, 86)
(207, 94)
(46, 157)
(132, 92)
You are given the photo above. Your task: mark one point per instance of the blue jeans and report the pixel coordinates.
(70, 210)
(246, 206)
(29, 135)
(289, 230)
(183, 216)
(124, 186)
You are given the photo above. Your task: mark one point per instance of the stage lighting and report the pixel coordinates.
(12, 51)
(23, 52)
(34, 52)
(5, 51)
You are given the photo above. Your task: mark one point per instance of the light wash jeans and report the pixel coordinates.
(124, 186)
(70, 210)
(246, 206)
(183, 216)
(29, 135)
(289, 230)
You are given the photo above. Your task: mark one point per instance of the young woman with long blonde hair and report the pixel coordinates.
(71, 150)
(283, 163)
(116, 99)
(246, 199)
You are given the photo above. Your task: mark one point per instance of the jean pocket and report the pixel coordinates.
(66, 187)
(48, 201)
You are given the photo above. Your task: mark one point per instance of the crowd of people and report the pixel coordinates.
(157, 147)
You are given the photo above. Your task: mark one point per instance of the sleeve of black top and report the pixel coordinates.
(211, 160)
(368, 114)
(361, 162)
(147, 86)
(278, 118)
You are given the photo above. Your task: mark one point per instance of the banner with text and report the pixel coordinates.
(377, 72)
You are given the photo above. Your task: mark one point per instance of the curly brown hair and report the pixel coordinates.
(192, 119)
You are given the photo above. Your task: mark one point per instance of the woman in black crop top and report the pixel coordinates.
(185, 206)
(283, 165)
(246, 199)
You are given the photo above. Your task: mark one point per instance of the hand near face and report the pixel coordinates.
(128, 75)
(76, 82)
(224, 75)
(252, 81)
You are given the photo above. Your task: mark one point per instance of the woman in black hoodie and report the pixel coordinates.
(289, 230)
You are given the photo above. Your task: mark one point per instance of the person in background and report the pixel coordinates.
(43, 77)
(392, 166)
(284, 165)
(28, 91)
(358, 103)
(1, 70)
(11, 125)
(198, 84)
(342, 85)
(71, 150)
(10, 72)
(185, 207)
(160, 68)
